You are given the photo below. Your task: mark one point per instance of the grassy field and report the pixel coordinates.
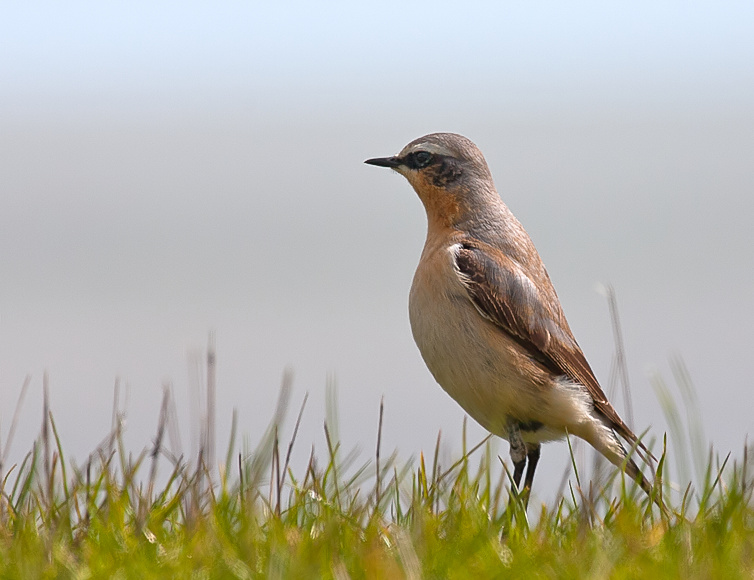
(351, 517)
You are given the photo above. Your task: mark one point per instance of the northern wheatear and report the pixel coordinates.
(486, 317)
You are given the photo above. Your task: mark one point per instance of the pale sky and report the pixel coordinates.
(171, 169)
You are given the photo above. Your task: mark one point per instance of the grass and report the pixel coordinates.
(343, 519)
(350, 517)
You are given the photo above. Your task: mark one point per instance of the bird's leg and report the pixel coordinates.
(517, 451)
(518, 456)
(533, 457)
(520, 452)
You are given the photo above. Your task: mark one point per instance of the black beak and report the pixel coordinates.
(391, 162)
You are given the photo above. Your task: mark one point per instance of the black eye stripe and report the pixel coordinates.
(419, 159)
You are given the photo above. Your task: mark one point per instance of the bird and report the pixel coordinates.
(488, 322)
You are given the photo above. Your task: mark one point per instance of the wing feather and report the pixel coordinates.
(505, 295)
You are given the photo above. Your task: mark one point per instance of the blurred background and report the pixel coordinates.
(168, 170)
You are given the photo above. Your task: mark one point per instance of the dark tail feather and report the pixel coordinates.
(633, 471)
(636, 443)
(618, 455)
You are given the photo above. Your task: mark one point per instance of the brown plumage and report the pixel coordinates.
(487, 319)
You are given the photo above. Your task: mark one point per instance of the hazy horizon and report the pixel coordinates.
(167, 173)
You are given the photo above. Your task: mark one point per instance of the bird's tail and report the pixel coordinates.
(641, 450)
(608, 444)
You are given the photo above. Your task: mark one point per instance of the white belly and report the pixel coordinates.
(472, 359)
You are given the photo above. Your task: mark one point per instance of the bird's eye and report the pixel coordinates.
(422, 159)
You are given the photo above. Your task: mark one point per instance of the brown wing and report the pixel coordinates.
(505, 295)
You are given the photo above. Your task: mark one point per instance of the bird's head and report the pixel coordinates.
(448, 172)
